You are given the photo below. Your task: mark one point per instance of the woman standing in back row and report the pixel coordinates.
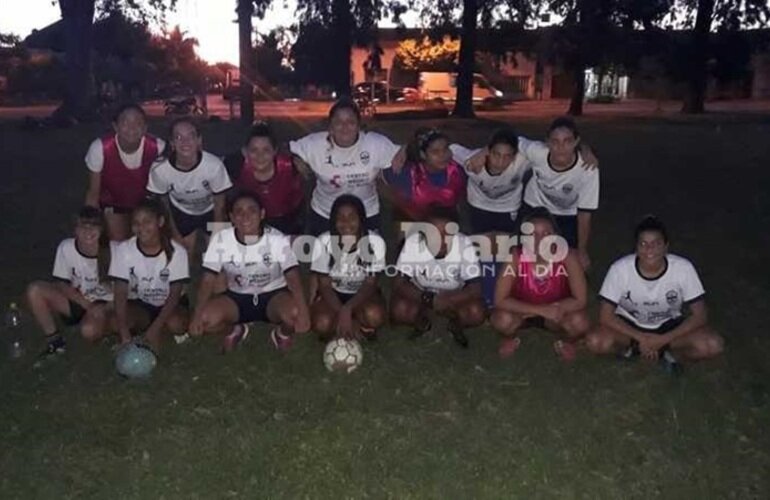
(345, 160)
(260, 169)
(119, 164)
(192, 183)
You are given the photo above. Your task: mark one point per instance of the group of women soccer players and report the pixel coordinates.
(125, 270)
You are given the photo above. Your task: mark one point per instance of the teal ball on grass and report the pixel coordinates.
(135, 361)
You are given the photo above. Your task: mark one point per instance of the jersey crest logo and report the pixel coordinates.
(335, 181)
(164, 274)
(567, 188)
(206, 185)
(364, 156)
(671, 297)
(267, 260)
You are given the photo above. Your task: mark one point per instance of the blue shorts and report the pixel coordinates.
(153, 311)
(484, 221)
(317, 223)
(252, 307)
(661, 330)
(187, 224)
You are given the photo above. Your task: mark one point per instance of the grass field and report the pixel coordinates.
(419, 419)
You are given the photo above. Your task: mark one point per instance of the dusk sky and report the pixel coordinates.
(205, 20)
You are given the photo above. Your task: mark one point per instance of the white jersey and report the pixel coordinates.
(494, 192)
(82, 271)
(254, 268)
(191, 191)
(459, 265)
(132, 161)
(561, 192)
(348, 270)
(338, 170)
(149, 277)
(649, 303)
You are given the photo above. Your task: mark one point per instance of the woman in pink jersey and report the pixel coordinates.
(543, 286)
(120, 164)
(431, 178)
(260, 169)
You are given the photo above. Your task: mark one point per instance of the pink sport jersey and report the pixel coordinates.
(123, 187)
(540, 284)
(425, 193)
(281, 195)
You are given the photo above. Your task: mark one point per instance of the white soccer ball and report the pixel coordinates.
(343, 355)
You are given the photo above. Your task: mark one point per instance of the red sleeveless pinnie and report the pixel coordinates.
(123, 187)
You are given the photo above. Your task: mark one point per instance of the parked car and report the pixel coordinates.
(441, 87)
(380, 91)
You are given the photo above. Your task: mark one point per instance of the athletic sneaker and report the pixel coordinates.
(234, 339)
(669, 363)
(279, 340)
(370, 334)
(631, 352)
(53, 348)
(457, 334)
(421, 327)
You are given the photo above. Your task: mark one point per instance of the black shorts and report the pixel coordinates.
(534, 322)
(484, 221)
(661, 330)
(248, 310)
(344, 297)
(291, 224)
(317, 223)
(568, 227)
(187, 224)
(77, 313)
(153, 311)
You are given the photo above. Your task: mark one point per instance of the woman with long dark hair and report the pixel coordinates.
(347, 259)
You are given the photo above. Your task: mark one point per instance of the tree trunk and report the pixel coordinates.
(698, 74)
(245, 11)
(342, 32)
(578, 91)
(467, 63)
(78, 18)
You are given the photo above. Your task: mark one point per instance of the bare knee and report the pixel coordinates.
(473, 314)
(290, 314)
(212, 319)
(373, 316)
(91, 331)
(577, 324)
(708, 346)
(36, 291)
(177, 324)
(403, 311)
(504, 322)
(323, 323)
(716, 345)
(600, 342)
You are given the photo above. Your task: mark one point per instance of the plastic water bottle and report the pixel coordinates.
(13, 330)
